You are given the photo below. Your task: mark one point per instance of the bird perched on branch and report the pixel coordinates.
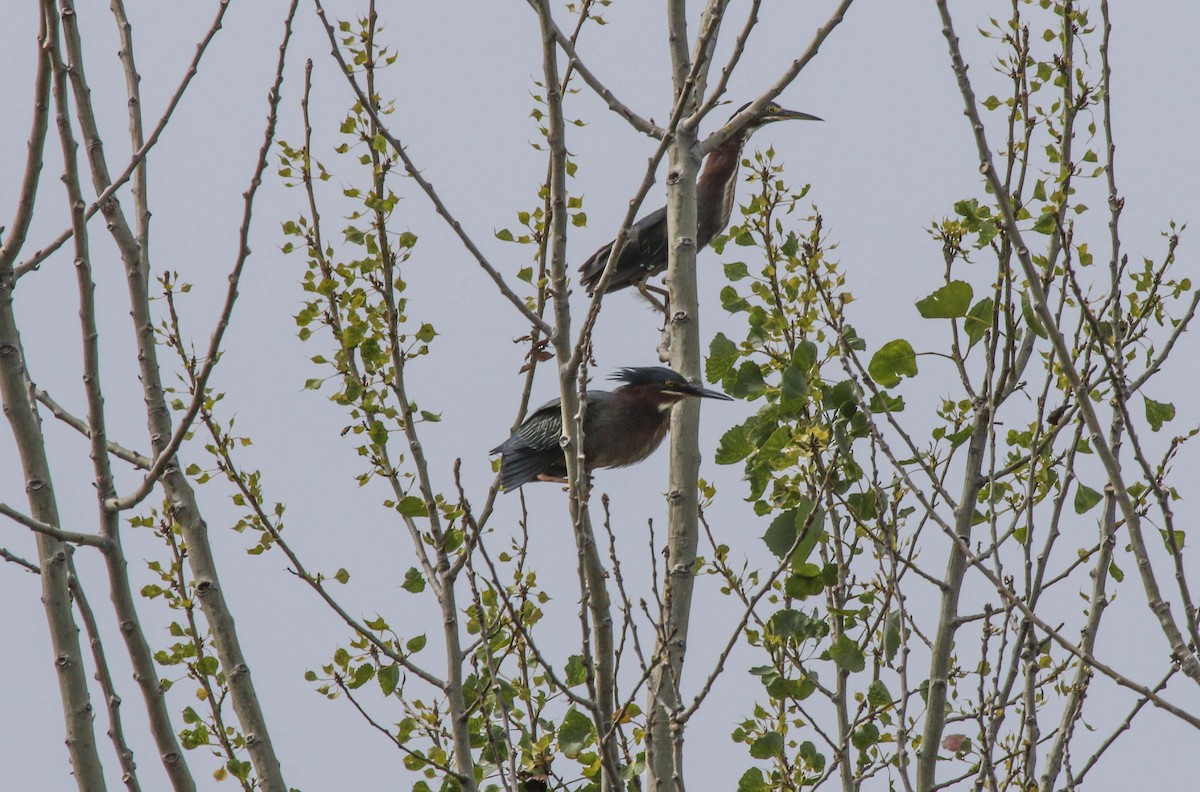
(620, 428)
(645, 252)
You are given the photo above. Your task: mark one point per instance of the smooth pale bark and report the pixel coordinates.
(682, 505)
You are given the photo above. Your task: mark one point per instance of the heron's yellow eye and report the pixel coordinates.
(672, 385)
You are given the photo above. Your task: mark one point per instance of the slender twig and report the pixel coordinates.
(1011, 597)
(30, 442)
(754, 110)
(750, 610)
(21, 562)
(121, 592)
(14, 239)
(739, 47)
(647, 127)
(54, 532)
(135, 160)
(595, 612)
(520, 626)
(455, 658)
(112, 701)
(411, 169)
(315, 581)
(1187, 659)
(78, 424)
(166, 456)
(1123, 727)
(422, 756)
(141, 198)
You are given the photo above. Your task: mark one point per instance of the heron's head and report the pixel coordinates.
(661, 386)
(772, 113)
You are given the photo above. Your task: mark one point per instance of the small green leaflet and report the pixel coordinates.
(893, 360)
(949, 302)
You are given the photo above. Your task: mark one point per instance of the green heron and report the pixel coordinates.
(645, 251)
(620, 428)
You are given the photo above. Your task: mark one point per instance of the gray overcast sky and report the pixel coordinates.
(893, 154)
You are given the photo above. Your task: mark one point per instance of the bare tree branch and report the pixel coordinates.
(1180, 652)
(78, 424)
(714, 140)
(21, 562)
(567, 43)
(45, 529)
(411, 169)
(112, 701)
(135, 160)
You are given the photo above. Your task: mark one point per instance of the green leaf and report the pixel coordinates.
(795, 625)
(735, 445)
(426, 333)
(576, 671)
(1046, 222)
(865, 736)
(1031, 317)
(361, 676)
(878, 694)
(752, 781)
(784, 529)
(732, 302)
(967, 208)
(1158, 413)
(949, 302)
(389, 677)
(413, 581)
(792, 390)
(893, 360)
(1085, 498)
(840, 397)
(342, 576)
(313, 384)
(378, 433)
(883, 402)
(1176, 535)
(736, 270)
(805, 356)
(864, 505)
(575, 733)
(747, 382)
(412, 506)
(722, 354)
(847, 655)
(1116, 571)
(807, 582)
(415, 644)
(979, 320)
(767, 746)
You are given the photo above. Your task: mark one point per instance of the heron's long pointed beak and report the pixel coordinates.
(704, 393)
(793, 115)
